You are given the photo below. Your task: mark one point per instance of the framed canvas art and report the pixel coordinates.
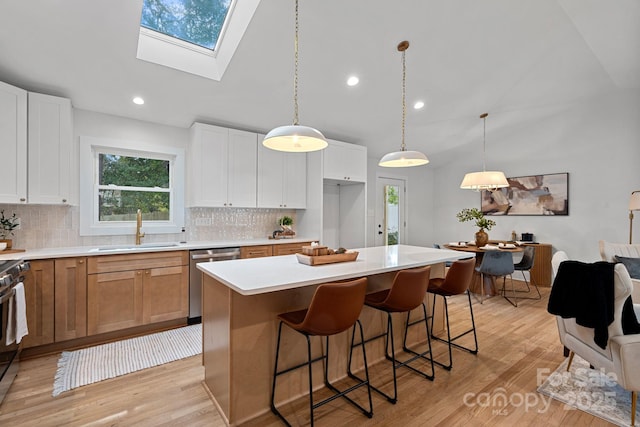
(529, 195)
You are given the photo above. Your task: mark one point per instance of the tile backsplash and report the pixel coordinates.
(45, 226)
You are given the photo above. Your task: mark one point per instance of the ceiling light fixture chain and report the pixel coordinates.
(483, 116)
(295, 138)
(403, 158)
(295, 71)
(402, 48)
(485, 180)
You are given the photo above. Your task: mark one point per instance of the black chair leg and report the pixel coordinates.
(528, 291)
(451, 341)
(416, 355)
(308, 363)
(391, 356)
(388, 339)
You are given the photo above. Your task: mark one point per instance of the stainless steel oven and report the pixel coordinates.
(195, 276)
(10, 275)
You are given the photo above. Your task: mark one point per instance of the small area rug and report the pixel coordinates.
(589, 390)
(93, 364)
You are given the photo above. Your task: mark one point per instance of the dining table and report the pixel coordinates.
(484, 286)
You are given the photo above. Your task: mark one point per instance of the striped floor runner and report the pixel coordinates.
(93, 364)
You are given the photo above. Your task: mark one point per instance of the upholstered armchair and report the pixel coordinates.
(622, 352)
(609, 250)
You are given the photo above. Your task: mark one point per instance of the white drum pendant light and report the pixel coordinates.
(485, 180)
(295, 137)
(403, 158)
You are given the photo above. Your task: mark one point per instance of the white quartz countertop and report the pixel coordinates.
(262, 275)
(66, 252)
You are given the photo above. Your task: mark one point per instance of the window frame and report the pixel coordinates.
(90, 148)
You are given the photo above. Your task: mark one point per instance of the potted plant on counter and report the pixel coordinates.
(285, 224)
(7, 225)
(473, 214)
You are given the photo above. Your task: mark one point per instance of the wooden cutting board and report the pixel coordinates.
(11, 251)
(326, 259)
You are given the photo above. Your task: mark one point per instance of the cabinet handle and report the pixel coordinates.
(22, 199)
(138, 273)
(81, 261)
(230, 204)
(64, 200)
(147, 272)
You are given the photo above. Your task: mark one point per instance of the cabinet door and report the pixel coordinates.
(270, 177)
(70, 298)
(242, 168)
(13, 143)
(294, 184)
(50, 149)
(345, 162)
(114, 301)
(165, 294)
(207, 169)
(39, 291)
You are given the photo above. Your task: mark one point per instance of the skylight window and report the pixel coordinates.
(199, 22)
(194, 36)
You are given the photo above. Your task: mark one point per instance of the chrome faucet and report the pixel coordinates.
(139, 233)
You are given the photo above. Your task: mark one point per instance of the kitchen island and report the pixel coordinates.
(241, 299)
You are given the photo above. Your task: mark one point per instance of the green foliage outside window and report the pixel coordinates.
(127, 184)
(195, 21)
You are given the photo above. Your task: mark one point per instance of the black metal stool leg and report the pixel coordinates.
(451, 341)
(417, 355)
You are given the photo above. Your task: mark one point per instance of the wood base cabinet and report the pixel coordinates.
(70, 298)
(165, 294)
(114, 301)
(136, 289)
(39, 291)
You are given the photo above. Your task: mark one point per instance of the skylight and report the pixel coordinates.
(194, 36)
(199, 22)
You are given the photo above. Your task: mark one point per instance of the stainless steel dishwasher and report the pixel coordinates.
(195, 276)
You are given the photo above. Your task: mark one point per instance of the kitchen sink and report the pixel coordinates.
(141, 247)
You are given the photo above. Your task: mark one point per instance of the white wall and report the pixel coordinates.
(597, 142)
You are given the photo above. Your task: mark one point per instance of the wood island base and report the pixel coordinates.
(239, 342)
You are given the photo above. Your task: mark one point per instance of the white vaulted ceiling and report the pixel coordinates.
(518, 60)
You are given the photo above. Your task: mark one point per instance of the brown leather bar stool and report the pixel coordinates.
(455, 283)
(334, 308)
(407, 293)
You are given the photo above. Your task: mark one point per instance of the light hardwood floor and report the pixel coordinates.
(516, 345)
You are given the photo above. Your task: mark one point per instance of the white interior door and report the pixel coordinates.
(390, 211)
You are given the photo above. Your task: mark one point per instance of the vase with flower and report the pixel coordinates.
(7, 226)
(474, 214)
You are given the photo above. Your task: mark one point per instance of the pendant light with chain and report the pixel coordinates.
(404, 157)
(485, 180)
(295, 137)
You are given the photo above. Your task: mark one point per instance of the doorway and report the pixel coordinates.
(390, 211)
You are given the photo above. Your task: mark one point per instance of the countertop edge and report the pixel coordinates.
(78, 251)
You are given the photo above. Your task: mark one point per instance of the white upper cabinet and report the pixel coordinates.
(50, 149)
(222, 167)
(13, 142)
(345, 162)
(282, 178)
(242, 168)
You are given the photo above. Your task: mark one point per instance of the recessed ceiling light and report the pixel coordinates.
(353, 80)
(137, 100)
(418, 105)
